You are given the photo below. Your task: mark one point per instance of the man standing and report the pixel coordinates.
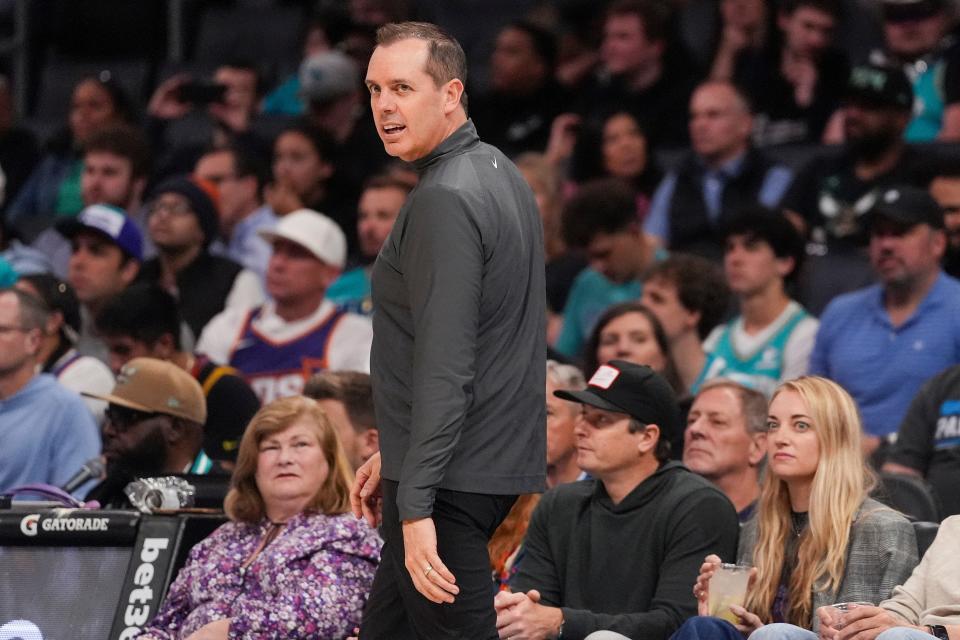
(46, 430)
(458, 352)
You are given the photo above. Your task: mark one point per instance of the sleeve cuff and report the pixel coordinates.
(576, 624)
(413, 504)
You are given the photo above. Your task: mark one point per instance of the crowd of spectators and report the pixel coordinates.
(739, 206)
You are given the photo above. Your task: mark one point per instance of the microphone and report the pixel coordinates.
(92, 468)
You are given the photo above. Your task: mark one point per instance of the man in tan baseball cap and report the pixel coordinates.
(154, 426)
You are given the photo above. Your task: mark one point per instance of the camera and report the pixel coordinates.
(201, 92)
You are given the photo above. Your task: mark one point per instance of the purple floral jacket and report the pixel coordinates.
(310, 582)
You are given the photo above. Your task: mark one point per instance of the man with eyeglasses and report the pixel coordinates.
(619, 551)
(154, 427)
(182, 221)
(47, 434)
(239, 177)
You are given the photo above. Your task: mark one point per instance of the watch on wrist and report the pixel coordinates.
(938, 631)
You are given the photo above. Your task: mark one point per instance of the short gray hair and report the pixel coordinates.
(565, 376)
(753, 404)
(34, 312)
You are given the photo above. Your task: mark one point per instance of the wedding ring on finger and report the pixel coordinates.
(426, 572)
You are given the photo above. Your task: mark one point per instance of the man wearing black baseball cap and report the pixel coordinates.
(834, 191)
(883, 341)
(619, 551)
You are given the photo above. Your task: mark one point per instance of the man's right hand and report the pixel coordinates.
(365, 494)
(164, 104)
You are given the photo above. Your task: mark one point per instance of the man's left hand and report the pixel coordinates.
(520, 616)
(430, 576)
(866, 623)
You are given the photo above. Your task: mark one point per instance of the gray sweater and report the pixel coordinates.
(880, 555)
(459, 341)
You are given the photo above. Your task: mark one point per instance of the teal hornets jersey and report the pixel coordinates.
(760, 370)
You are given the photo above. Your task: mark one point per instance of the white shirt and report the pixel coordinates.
(796, 352)
(87, 374)
(349, 345)
(246, 292)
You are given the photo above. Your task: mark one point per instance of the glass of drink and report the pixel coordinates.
(728, 586)
(842, 608)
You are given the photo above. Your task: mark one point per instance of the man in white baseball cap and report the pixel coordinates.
(278, 345)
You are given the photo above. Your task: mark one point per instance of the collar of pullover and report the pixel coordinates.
(643, 493)
(457, 142)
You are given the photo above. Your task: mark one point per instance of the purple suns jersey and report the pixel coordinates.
(279, 369)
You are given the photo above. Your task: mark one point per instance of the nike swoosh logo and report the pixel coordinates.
(494, 161)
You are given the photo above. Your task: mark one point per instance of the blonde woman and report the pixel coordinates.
(817, 538)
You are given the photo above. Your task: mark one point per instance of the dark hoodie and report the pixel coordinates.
(628, 567)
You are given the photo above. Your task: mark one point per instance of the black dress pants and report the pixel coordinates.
(397, 611)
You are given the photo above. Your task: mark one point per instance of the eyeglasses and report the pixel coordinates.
(124, 418)
(173, 208)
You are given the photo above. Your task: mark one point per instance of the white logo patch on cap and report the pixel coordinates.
(103, 218)
(604, 377)
(891, 196)
(125, 374)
